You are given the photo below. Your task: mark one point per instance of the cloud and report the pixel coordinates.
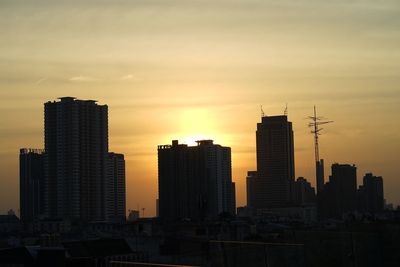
(41, 80)
(83, 79)
(129, 77)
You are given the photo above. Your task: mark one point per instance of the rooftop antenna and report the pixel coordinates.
(262, 111)
(314, 125)
(286, 110)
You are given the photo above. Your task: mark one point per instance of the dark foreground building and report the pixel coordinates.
(194, 182)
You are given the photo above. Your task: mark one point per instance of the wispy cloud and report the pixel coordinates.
(83, 79)
(129, 77)
(41, 80)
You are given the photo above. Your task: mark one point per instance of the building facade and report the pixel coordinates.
(195, 182)
(116, 195)
(273, 186)
(31, 184)
(75, 159)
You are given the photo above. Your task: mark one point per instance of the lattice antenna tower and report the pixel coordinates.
(314, 124)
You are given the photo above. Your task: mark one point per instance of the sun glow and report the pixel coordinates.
(191, 140)
(198, 124)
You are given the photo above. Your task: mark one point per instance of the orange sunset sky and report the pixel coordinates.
(193, 69)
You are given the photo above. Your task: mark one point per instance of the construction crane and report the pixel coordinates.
(314, 124)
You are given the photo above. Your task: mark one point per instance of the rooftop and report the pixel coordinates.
(24, 151)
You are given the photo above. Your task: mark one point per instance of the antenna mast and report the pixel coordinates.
(314, 124)
(286, 110)
(262, 111)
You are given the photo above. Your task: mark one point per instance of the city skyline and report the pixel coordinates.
(191, 70)
(309, 178)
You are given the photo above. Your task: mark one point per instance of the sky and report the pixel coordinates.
(196, 69)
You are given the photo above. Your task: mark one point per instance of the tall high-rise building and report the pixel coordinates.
(76, 159)
(304, 193)
(194, 182)
(116, 200)
(275, 163)
(340, 193)
(30, 184)
(370, 194)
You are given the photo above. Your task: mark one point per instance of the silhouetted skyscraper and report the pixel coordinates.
(275, 163)
(194, 182)
(370, 194)
(340, 193)
(76, 157)
(116, 200)
(304, 193)
(30, 184)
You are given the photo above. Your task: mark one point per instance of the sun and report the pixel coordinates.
(197, 124)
